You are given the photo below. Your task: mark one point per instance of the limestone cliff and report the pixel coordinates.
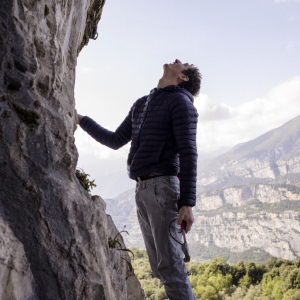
(274, 233)
(53, 235)
(240, 195)
(259, 218)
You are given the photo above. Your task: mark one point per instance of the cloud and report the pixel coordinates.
(221, 125)
(292, 46)
(83, 70)
(91, 149)
(210, 111)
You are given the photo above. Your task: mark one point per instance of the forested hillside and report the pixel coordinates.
(277, 279)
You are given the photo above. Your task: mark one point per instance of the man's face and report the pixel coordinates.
(177, 67)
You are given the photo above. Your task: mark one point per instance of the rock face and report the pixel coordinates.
(275, 233)
(53, 236)
(15, 274)
(239, 196)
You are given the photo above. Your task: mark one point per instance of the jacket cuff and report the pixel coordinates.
(84, 121)
(180, 204)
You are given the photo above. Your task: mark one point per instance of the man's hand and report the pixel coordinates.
(186, 214)
(79, 117)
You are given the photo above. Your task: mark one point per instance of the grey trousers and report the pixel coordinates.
(156, 209)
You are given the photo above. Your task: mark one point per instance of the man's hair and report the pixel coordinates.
(194, 83)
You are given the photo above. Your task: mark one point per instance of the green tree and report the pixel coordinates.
(251, 271)
(206, 293)
(218, 261)
(292, 295)
(271, 262)
(277, 289)
(283, 262)
(260, 271)
(193, 280)
(297, 263)
(245, 281)
(192, 268)
(201, 269)
(292, 279)
(220, 282)
(269, 281)
(238, 294)
(160, 294)
(237, 271)
(254, 292)
(139, 253)
(277, 279)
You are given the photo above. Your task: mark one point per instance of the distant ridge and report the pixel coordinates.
(270, 158)
(286, 137)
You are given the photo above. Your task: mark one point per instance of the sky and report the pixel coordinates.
(247, 52)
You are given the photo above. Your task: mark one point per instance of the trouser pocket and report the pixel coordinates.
(166, 194)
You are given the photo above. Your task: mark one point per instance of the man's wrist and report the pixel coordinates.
(79, 118)
(187, 207)
(183, 205)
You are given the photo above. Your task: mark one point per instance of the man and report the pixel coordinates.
(163, 161)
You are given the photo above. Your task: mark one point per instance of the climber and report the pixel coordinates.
(163, 160)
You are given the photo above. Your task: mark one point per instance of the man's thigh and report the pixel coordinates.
(158, 209)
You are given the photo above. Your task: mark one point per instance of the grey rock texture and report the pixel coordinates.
(15, 274)
(238, 196)
(125, 282)
(275, 233)
(54, 237)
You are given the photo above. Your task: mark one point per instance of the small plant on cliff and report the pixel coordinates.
(113, 243)
(46, 11)
(84, 181)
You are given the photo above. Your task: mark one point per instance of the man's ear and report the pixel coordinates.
(183, 77)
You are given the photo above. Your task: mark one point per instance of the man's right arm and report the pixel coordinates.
(114, 140)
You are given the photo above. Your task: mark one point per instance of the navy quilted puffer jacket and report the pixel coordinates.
(162, 130)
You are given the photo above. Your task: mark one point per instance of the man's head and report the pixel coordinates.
(187, 76)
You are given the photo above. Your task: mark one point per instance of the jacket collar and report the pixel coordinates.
(174, 88)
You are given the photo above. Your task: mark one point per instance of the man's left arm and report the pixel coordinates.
(184, 121)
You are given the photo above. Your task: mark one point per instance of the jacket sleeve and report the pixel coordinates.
(114, 140)
(184, 118)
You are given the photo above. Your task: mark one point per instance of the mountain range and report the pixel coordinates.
(248, 201)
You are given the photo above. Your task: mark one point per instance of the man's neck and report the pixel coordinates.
(163, 82)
